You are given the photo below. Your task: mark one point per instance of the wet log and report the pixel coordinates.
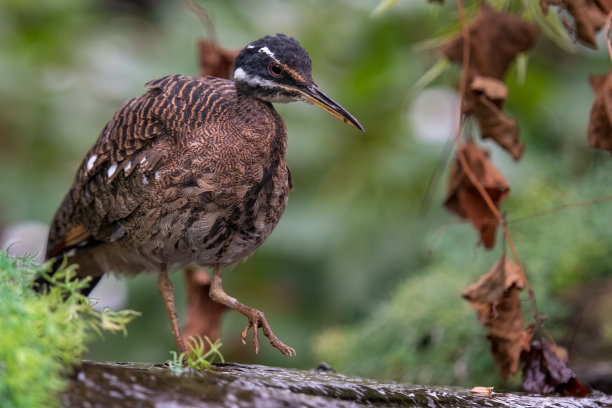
(236, 385)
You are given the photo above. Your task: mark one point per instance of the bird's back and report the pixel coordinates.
(191, 171)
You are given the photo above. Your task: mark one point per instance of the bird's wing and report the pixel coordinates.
(106, 188)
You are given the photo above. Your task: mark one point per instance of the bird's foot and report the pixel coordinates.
(257, 320)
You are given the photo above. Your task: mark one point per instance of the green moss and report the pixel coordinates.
(43, 336)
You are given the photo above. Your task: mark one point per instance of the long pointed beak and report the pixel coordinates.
(313, 95)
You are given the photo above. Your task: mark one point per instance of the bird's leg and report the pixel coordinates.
(256, 318)
(164, 284)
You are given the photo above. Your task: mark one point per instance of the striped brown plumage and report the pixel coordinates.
(194, 170)
(159, 187)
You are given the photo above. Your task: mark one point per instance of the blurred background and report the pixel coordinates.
(365, 269)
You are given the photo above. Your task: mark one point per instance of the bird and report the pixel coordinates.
(192, 171)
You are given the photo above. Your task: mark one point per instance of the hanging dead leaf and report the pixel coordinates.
(589, 16)
(495, 39)
(490, 287)
(214, 60)
(464, 199)
(544, 372)
(507, 334)
(484, 102)
(495, 296)
(600, 124)
(492, 88)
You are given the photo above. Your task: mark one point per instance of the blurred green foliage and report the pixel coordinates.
(426, 327)
(357, 272)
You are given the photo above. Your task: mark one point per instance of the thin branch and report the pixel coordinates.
(442, 160)
(201, 13)
(562, 207)
(465, 32)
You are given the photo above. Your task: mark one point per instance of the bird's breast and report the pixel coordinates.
(222, 197)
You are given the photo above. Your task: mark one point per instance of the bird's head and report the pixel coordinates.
(278, 69)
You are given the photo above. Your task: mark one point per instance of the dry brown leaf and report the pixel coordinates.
(589, 17)
(495, 39)
(495, 296)
(600, 124)
(490, 287)
(214, 60)
(544, 372)
(492, 88)
(507, 334)
(494, 124)
(464, 199)
(484, 102)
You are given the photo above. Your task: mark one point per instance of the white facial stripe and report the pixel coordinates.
(250, 46)
(240, 74)
(127, 167)
(91, 161)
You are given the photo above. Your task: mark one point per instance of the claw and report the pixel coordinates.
(257, 320)
(244, 333)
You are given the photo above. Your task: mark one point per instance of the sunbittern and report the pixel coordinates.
(192, 171)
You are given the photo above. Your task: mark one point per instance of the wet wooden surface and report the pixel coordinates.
(235, 385)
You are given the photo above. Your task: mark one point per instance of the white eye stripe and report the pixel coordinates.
(127, 166)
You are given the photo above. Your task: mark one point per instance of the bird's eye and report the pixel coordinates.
(275, 69)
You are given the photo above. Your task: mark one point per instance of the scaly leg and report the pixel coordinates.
(256, 318)
(164, 284)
